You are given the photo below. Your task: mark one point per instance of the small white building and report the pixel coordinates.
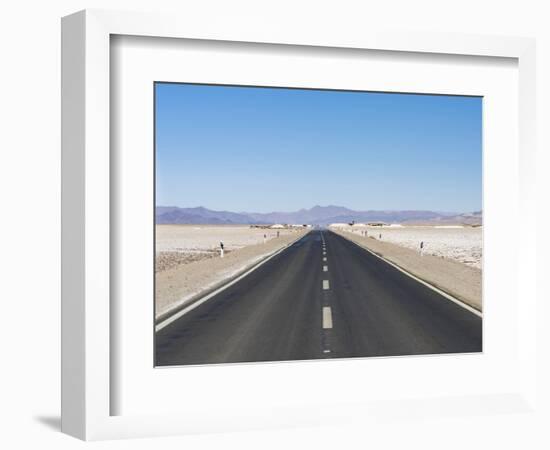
(277, 226)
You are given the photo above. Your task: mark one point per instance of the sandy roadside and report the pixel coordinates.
(462, 281)
(181, 285)
(458, 243)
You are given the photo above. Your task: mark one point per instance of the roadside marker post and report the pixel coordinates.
(221, 249)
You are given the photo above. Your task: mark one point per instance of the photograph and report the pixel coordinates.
(295, 224)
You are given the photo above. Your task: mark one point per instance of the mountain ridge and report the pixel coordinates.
(317, 215)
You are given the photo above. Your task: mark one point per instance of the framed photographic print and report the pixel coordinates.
(250, 213)
(318, 283)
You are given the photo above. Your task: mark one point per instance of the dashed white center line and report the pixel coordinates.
(325, 285)
(324, 258)
(325, 268)
(327, 317)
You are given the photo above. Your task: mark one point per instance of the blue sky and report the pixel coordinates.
(263, 149)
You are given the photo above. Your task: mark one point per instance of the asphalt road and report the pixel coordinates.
(299, 306)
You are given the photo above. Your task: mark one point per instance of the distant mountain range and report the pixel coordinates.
(318, 215)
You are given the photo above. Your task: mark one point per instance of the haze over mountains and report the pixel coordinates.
(318, 215)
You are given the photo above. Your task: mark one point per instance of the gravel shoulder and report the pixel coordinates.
(182, 284)
(460, 280)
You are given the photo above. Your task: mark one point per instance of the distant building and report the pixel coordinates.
(277, 226)
(377, 224)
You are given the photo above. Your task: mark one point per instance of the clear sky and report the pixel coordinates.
(262, 149)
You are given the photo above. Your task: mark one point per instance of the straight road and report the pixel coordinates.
(323, 297)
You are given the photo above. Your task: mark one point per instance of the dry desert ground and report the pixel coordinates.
(458, 243)
(183, 244)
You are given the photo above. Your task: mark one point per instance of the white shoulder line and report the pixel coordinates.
(420, 280)
(201, 300)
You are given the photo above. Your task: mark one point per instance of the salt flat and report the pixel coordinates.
(182, 244)
(462, 244)
(193, 237)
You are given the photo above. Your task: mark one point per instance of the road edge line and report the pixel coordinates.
(416, 278)
(168, 317)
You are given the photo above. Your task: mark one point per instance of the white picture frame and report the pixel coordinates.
(87, 386)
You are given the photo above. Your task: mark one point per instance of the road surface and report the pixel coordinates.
(323, 297)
